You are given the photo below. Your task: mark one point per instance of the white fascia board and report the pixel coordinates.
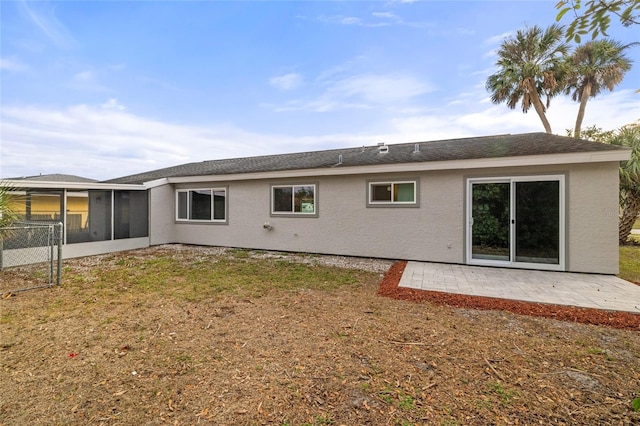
(156, 183)
(483, 163)
(30, 184)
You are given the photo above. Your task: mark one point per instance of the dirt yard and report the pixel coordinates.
(187, 335)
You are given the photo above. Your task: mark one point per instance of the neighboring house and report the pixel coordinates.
(534, 201)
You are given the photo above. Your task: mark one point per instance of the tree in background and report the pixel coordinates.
(7, 215)
(628, 136)
(594, 66)
(531, 67)
(596, 16)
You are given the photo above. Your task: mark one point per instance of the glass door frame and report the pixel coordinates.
(560, 266)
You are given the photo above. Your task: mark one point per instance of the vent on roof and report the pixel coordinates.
(416, 149)
(382, 148)
(339, 159)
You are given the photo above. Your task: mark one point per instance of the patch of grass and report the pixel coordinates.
(167, 276)
(385, 395)
(7, 317)
(630, 263)
(505, 394)
(240, 253)
(407, 402)
(320, 420)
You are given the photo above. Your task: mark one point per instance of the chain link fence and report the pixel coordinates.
(30, 256)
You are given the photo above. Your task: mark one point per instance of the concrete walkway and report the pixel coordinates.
(605, 292)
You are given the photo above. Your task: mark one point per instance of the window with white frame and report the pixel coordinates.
(294, 199)
(393, 193)
(201, 205)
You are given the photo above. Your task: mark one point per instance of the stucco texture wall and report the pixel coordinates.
(593, 218)
(344, 224)
(434, 231)
(161, 215)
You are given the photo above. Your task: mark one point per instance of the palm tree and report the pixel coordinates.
(7, 214)
(629, 136)
(531, 67)
(595, 66)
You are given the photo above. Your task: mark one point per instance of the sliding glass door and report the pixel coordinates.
(491, 213)
(516, 221)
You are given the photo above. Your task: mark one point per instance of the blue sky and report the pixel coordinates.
(104, 89)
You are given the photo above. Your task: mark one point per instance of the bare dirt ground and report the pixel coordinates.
(101, 350)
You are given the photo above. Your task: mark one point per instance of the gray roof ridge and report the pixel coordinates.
(53, 177)
(465, 148)
(315, 152)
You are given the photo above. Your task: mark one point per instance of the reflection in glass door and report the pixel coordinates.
(537, 213)
(516, 222)
(491, 215)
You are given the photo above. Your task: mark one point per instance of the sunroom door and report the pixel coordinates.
(516, 222)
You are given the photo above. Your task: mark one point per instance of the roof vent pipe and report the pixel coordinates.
(339, 159)
(416, 149)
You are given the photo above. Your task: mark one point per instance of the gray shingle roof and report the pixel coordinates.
(444, 150)
(56, 177)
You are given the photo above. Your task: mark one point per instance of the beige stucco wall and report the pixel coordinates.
(593, 212)
(344, 224)
(161, 215)
(435, 231)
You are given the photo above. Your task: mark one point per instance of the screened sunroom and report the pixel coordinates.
(96, 218)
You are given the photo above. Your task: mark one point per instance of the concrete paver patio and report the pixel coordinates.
(605, 292)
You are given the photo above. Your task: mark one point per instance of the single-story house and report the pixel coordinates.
(535, 201)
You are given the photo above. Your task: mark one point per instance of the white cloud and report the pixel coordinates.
(608, 111)
(8, 64)
(497, 39)
(113, 104)
(387, 15)
(287, 81)
(378, 19)
(103, 143)
(379, 89)
(42, 15)
(362, 91)
(117, 67)
(343, 69)
(107, 141)
(354, 20)
(84, 76)
(87, 81)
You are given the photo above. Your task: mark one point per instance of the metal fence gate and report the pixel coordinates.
(30, 256)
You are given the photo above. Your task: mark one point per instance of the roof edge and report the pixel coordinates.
(39, 184)
(499, 162)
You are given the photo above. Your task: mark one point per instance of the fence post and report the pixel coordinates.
(60, 239)
(52, 241)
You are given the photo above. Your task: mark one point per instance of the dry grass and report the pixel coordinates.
(630, 262)
(271, 341)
